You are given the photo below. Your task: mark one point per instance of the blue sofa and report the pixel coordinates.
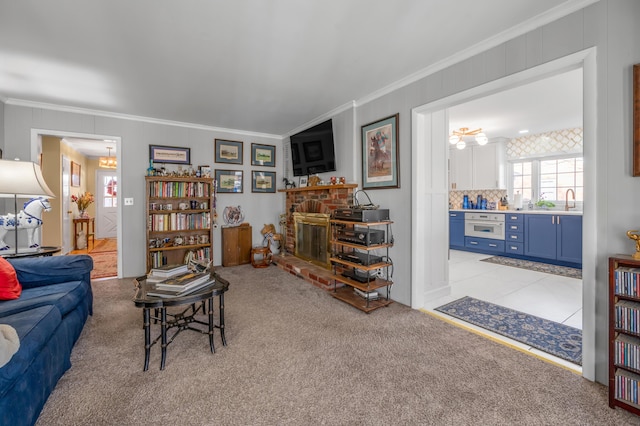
(48, 316)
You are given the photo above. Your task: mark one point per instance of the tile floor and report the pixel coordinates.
(544, 295)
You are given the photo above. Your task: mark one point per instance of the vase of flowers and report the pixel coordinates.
(83, 201)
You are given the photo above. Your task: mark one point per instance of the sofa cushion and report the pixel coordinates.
(9, 286)
(35, 327)
(64, 296)
(9, 343)
(46, 270)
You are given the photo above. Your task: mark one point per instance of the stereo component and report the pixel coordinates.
(361, 235)
(361, 215)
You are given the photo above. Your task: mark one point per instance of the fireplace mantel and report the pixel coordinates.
(321, 187)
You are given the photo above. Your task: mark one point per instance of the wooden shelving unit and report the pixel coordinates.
(179, 213)
(624, 333)
(372, 282)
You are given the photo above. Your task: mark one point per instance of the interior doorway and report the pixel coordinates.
(534, 126)
(116, 215)
(430, 190)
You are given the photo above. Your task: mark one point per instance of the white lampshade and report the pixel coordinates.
(22, 179)
(454, 139)
(482, 139)
(461, 145)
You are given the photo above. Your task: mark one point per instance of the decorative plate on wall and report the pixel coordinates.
(233, 216)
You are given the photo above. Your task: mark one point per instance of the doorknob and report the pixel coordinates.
(69, 211)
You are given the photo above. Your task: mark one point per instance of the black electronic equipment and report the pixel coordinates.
(312, 150)
(361, 235)
(364, 259)
(361, 215)
(360, 276)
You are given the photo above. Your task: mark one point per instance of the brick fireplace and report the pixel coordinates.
(314, 200)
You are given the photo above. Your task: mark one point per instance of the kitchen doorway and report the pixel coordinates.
(430, 126)
(544, 125)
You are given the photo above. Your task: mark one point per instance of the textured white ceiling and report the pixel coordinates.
(265, 66)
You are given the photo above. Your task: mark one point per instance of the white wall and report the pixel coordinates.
(136, 137)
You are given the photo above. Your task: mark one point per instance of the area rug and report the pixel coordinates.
(564, 271)
(104, 264)
(551, 337)
(108, 244)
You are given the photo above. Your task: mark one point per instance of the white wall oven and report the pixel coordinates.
(484, 225)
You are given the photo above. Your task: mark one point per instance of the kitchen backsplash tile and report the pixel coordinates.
(492, 195)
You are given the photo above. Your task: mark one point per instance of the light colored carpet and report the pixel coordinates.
(297, 356)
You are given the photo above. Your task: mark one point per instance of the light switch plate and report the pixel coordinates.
(128, 201)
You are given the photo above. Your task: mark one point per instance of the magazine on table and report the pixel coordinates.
(168, 271)
(171, 293)
(183, 282)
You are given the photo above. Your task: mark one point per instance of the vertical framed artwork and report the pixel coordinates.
(263, 155)
(263, 181)
(229, 181)
(636, 120)
(229, 152)
(380, 158)
(75, 174)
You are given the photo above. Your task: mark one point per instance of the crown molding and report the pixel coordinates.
(87, 111)
(531, 24)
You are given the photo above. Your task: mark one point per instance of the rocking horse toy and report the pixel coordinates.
(29, 218)
(271, 238)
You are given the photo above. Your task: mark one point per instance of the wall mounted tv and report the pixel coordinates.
(312, 150)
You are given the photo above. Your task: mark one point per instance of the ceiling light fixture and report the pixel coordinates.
(457, 135)
(108, 162)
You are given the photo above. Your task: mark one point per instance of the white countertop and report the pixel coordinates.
(523, 211)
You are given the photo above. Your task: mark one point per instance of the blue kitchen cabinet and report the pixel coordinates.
(456, 230)
(514, 234)
(569, 238)
(540, 236)
(554, 237)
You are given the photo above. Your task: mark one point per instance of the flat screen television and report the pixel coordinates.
(312, 150)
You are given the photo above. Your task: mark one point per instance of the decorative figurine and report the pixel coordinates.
(271, 239)
(28, 218)
(635, 237)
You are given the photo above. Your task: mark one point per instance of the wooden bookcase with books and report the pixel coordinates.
(179, 215)
(624, 333)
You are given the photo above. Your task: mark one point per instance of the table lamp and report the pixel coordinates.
(21, 179)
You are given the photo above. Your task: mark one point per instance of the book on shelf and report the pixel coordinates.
(183, 282)
(168, 271)
(156, 292)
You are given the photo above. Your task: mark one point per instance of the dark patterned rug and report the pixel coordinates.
(564, 271)
(551, 337)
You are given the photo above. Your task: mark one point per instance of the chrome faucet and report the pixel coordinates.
(566, 200)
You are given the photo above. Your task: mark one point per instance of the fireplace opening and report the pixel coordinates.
(311, 232)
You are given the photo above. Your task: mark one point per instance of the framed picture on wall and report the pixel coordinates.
(169, 154)
(75, 174)
(263, 181)
(228, 151)
(263, 155)
(229, 181)
(636, 120)
(380, 159)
